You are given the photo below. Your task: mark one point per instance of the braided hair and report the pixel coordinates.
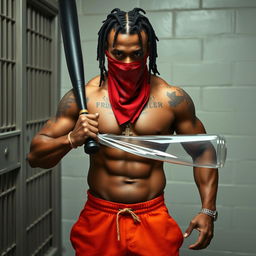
(126, 23)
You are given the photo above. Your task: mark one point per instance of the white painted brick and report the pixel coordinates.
(244, 73)
(183, 213)
(71, 208)
(202, 73)
(90, 26)
(228, 3)
(75, 165)
(74, 188)
(244, 172)
(180, 192)
(226, 173)
(167, 4)
(64, 75)
(161, 22)
(179, 50)
(246, 21)
(165, 70)
(91, 65)
(244, 218)
(233, 195)
(231, 123)
(175, 172)
(67, 248)
(241, 147)
(203, 22)
(99, 6)
(212, 252)
(230, 240)
(229, 99)
(230, 48)
(195, 94)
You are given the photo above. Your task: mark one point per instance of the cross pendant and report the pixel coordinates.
(127, 131)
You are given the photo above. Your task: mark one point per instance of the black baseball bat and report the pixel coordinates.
(74, 58)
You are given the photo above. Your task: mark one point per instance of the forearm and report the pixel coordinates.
(46, 152)
(207, 183)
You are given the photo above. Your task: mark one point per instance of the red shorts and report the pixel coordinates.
(113, 229)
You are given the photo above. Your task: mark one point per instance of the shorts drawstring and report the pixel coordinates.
(121, 211)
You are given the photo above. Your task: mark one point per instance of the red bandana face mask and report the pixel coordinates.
(128, 88)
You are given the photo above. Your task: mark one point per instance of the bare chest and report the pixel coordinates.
(156, 117)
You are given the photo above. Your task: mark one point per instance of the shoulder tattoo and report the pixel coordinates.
(65, 103)
(175, 100)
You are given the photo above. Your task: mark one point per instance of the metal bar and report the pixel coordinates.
(7, 60)
(38, 220)
(4, 95)
(1, 95)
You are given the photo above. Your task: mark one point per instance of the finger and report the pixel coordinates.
(202, 242)
(93, 123)
(92, 116)
(198, 243)
(189, 229)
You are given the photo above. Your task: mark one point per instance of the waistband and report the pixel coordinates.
(113, 207)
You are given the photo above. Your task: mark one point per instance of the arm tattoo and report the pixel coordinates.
(175, 100)
(65, 103)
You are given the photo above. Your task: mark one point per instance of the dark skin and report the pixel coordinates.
(116, 175)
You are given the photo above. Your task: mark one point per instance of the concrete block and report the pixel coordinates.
(241, 147)
(98, 6)
(230, 48)
(227, 3)
(180, 173)
(244, 73)
(161, 22)
(195, 95)
(75, 165)
(183, 213)
(153, 5)
(67, 248)
(244, 218)
(74, 188)
(165, 70)
(203, 22)
(182, 193)
(65, 81)
(229, 99)
(233, 195)
(90, 26)
(202, 73)
(179, 50)
(245, 21)
(91, 65)
(71, 208)
(244, 172)
(226, 173)
(242, 242)
(231, 123)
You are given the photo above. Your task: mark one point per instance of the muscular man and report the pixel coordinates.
(125, 213)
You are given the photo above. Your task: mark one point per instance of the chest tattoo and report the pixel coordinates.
(104, 103)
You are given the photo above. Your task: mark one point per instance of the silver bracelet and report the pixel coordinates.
(211, 213)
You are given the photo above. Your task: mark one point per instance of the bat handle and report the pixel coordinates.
(90, 145)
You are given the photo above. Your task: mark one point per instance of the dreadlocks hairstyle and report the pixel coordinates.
(126, 23)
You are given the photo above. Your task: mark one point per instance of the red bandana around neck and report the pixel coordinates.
(128, 88)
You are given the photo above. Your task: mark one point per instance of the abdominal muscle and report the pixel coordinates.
(117, 176)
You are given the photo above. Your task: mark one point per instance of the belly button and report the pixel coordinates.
(129, 181)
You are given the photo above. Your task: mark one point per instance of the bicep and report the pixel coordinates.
(65, 119)
(56, 127)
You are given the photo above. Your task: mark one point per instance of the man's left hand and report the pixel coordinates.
(204, 224)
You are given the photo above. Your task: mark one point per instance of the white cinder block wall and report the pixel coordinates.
(208, 47)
